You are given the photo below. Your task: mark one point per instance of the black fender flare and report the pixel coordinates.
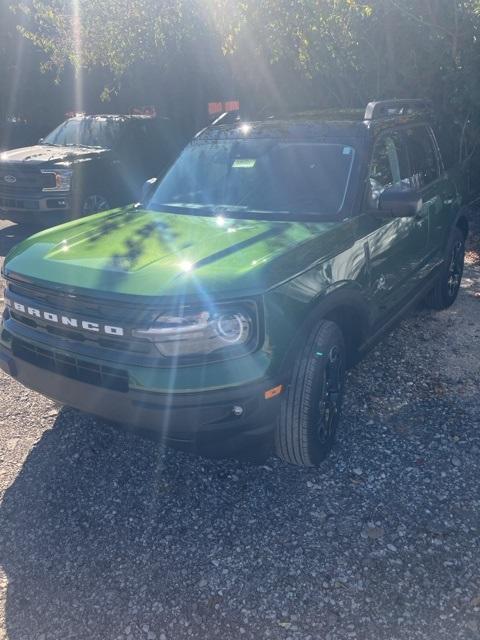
(348, 307)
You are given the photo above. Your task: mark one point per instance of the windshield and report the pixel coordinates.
(87, 132)
(259, 176)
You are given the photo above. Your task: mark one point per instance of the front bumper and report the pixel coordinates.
(182, 419)
(14, 205)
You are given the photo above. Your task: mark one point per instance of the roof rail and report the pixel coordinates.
(229, 117)
(391, 108)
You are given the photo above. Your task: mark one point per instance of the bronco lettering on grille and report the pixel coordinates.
(66, 321)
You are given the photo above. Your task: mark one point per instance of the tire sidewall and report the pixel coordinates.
(300, 409)
(456, 237)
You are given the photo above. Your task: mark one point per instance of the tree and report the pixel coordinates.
(323, 52)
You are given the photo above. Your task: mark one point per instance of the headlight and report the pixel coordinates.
(58, 180)
(203, 332)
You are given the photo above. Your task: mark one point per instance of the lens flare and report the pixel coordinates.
(77, 55)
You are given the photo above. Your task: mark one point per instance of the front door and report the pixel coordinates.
(394, 247)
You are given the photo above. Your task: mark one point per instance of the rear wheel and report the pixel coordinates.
(310, 410)
(445, 292)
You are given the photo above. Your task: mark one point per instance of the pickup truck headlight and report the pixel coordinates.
(203, 332)
(59, 179)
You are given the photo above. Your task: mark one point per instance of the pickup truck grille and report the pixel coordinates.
(71, 367)
(16, 179)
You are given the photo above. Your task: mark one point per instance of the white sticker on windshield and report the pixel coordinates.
(347, 151)
(244, 163)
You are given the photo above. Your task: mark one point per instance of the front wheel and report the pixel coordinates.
(310, 410)
(445, 292)
(94, 203)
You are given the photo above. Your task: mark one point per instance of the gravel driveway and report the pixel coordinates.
(103, 535)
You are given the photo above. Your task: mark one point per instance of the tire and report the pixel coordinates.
(94, 203)
(310, 410)
(446, 289)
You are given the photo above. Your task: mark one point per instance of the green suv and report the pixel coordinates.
(224, 310)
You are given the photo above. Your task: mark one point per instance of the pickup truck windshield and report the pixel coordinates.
(258, 176)
(87, 132)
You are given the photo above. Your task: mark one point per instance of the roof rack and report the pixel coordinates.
(228, 117)
(392, 108)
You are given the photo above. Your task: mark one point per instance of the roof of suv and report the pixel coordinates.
(320, 124)
(288, 127)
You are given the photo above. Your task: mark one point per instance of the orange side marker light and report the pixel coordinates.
(273, 393)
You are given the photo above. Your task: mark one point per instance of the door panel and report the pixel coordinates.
(395, 250)
(396, 247)
(446, 202)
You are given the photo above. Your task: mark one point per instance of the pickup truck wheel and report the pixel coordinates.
(310, 410)
(94, 203)
(445, 292)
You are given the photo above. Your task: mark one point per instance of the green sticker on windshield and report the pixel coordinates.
(244, 163)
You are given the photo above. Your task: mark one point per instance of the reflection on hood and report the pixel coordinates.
(41, 153)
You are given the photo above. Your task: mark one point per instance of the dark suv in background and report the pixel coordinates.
(88, 164)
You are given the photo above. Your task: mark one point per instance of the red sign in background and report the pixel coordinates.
(215, 108)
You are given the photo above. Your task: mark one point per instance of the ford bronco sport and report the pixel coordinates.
(227, 306)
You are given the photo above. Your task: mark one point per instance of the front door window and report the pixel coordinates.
(389, 167)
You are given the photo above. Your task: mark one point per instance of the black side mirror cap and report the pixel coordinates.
(400, 202)
(148, 189)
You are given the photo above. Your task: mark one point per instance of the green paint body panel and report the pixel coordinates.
(145, 253)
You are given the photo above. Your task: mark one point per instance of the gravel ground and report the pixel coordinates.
(104, 536)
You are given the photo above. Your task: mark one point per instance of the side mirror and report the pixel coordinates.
(400, 202)
(148, 188)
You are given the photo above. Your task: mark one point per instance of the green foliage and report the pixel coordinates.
(333, 52)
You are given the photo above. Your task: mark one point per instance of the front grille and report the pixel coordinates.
(142, 347)
(125, 348)
(27, 179)
(71, 367)
(108, 312)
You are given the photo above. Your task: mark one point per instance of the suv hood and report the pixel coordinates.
(45, 153)
(144, 253)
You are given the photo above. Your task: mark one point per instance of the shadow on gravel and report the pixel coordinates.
(103, 530)
(103, 536)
